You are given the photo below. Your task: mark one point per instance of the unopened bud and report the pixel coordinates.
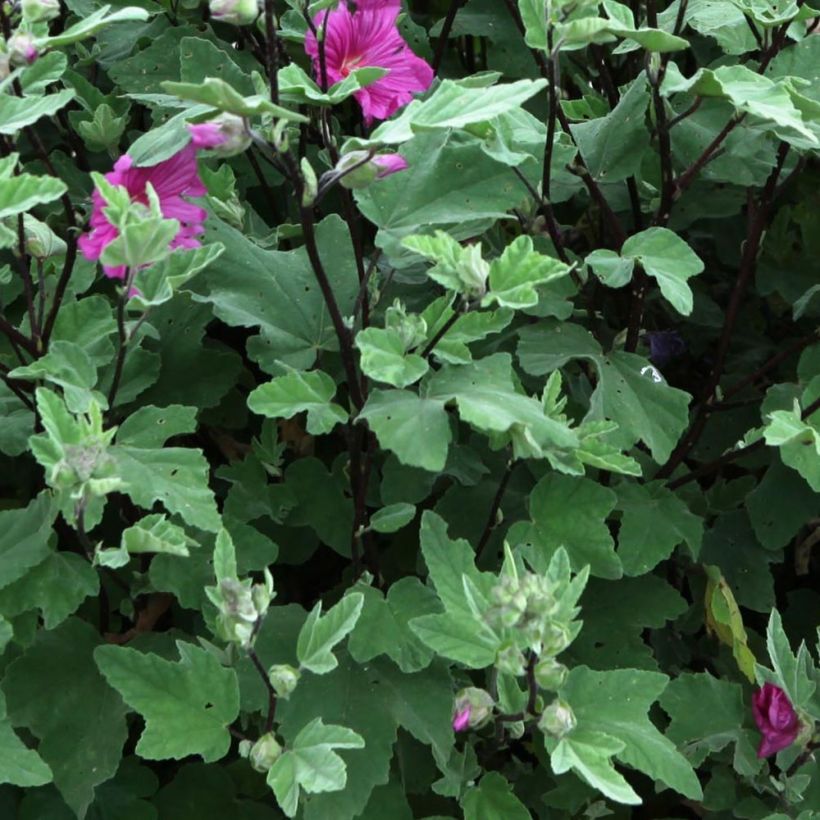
(557, 719)
(4, 65)
(283, 678)
(236, 12)
(22, 49)
(473, 707)
(264, 753)
(244, 748)
(358, 169)
(510, 659)
(41, 241)
(516, 729)
(557, 637)
(225, 135)
(550, 674)
(311, 183)
(36, 11)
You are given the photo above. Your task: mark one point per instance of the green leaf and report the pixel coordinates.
(374, 701)
(669, 260)
(385, 360)
(56, 586)
(18, 112)
(706, 713)
(286, 305)
(24, 535)
(654, 522)
(19, 765)
(415, 429)
(615, 702)
(187, 705)
(487, 399)
(24, 191)
(55, 691)
(393, 517)
(383, 627)
(300, 392)
(218, 94)
(515, 275)
(628, 390)
(613, 146)
(320, 634)
(176, 476)
(571, 512)
(151, 426)
(534, 16)
(613, 270)
(296, 86)
(311, 764)
(493, 798)
(100, 18)
(799, 443)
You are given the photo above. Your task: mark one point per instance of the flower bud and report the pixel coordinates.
(22, 49)
(473, 707)
(36, 11)
(264, 753)
(311, 183)
(557, 637)
(225, 135)
(510, 659)
(236, 12)
(244, 748)
(41, 241)
(516, 729)
(366, 169)
(283, 678)
(557, 719)
(550, 674)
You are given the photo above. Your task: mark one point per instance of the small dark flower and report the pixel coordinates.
(664, 345)
(776, 719)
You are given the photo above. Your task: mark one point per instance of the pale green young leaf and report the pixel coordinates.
(18, 112)
(614, 271)
(534, 16)
(516, 274)
(320, 634)
(91, 23)
(392, 517)
(383, 357)
(187, 705)
(458, 636)
(588, 754)
(793, 672)
(669, 260)
(155, 533)
(311, 764)
(300, 392)
(224, 557)
(20, 193)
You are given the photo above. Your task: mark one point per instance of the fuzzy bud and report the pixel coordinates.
(37, 11)
(22, 49)
(557, 719)
(473, 708)
(557, 637)
(264, 753)
(236, 12)
(550, 674)
(473, 271)
(225, 135)
(367, 169)
(510, 659)
(283, 678)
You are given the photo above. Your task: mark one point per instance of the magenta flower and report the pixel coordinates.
(173, 179)
(389, 164)
(369, 39)
(776, 719)
(461, 719)
(206, 135)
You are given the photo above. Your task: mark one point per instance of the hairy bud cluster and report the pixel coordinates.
(241, 606)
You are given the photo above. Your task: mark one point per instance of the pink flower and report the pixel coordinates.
(776, 719)
(389, 164)
(369, 39)
(172, 179)
(461, 720)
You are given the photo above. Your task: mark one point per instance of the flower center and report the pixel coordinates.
(351, 64)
